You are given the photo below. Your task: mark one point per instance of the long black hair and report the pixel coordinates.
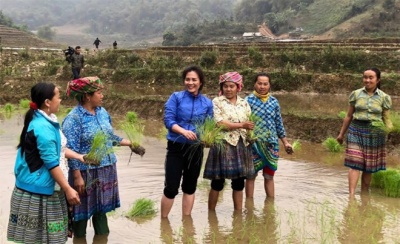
(39, 93)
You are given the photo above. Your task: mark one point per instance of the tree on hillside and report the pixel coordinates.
(46, 32)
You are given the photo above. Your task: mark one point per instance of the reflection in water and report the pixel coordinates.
(167, 234)
(362, 222)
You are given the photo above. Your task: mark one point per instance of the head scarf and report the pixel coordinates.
(78, 87)
(234, 77)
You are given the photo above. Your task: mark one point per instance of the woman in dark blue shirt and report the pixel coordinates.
(182, 110)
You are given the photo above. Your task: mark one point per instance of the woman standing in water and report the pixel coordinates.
(233, 161)
(38, 211)
(182, 110)
(365, 144)
(97, 185)
(269, 129)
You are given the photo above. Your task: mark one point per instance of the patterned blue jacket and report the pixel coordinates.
(270, 118)
(80, 127)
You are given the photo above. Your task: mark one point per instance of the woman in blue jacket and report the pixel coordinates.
(38, 205)
(182, 110)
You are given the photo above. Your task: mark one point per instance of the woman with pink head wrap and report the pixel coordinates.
(233, 160)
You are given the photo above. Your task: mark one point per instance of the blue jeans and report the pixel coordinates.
(76, 73)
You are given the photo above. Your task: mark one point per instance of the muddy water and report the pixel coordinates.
(311, 204)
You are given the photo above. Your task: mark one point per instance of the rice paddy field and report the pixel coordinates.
(311, 204)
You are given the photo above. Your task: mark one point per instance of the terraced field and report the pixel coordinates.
(14, 38)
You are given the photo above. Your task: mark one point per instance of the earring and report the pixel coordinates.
(48, 109)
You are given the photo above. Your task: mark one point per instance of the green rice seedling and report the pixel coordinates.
(392, 185)
(342, 114)
(163, 133)
(142, 207)
(98, 150)
(296, 145)
(24, 103)
(252, 135)
(380, 126)
(395, 118)
(8, 108)
(209, 133)
(134, 133)
(389, 180)
(332, 145)
(131, 117)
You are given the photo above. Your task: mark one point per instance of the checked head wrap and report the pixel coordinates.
(79, 87)
(234, 77)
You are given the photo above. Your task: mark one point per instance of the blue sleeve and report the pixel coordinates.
(280, 129)
(72, 130)
(170, 111)
(210, 110)
(47, 145)
(114, 138)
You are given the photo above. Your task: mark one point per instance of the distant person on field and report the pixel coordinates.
(77, 62)
(97, 43)
(115, 44)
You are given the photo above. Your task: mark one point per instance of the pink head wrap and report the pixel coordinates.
(234, 77)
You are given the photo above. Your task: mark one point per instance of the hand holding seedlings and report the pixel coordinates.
(139, 150)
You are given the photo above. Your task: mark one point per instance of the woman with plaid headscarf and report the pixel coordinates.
(233, 159)
(97, 185)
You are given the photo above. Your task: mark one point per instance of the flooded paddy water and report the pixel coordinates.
(311, 204)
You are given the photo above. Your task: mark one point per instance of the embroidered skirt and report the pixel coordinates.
(37, 218)
(265, 155)
(229, 162)
(101, 195)
(365, 149)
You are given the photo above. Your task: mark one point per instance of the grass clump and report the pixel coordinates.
(24, 103)
(209, 133)
(332, 145)
(388, 180)
(98, 150)
(142, 207)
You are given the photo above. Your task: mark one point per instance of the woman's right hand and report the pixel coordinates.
(72, 197)
(190, 135)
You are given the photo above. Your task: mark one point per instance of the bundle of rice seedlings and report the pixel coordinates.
(8, 108)
(342, 114)
(389, 180)
(142, 207)
(209, 133)
(98, 150)
(163, 133)
(252, 135)
(380, 126)
(392, 185)
(395, 118)
(24, 103)
(296, 145)
(332, 145)
(131, 117)
(134, 132)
